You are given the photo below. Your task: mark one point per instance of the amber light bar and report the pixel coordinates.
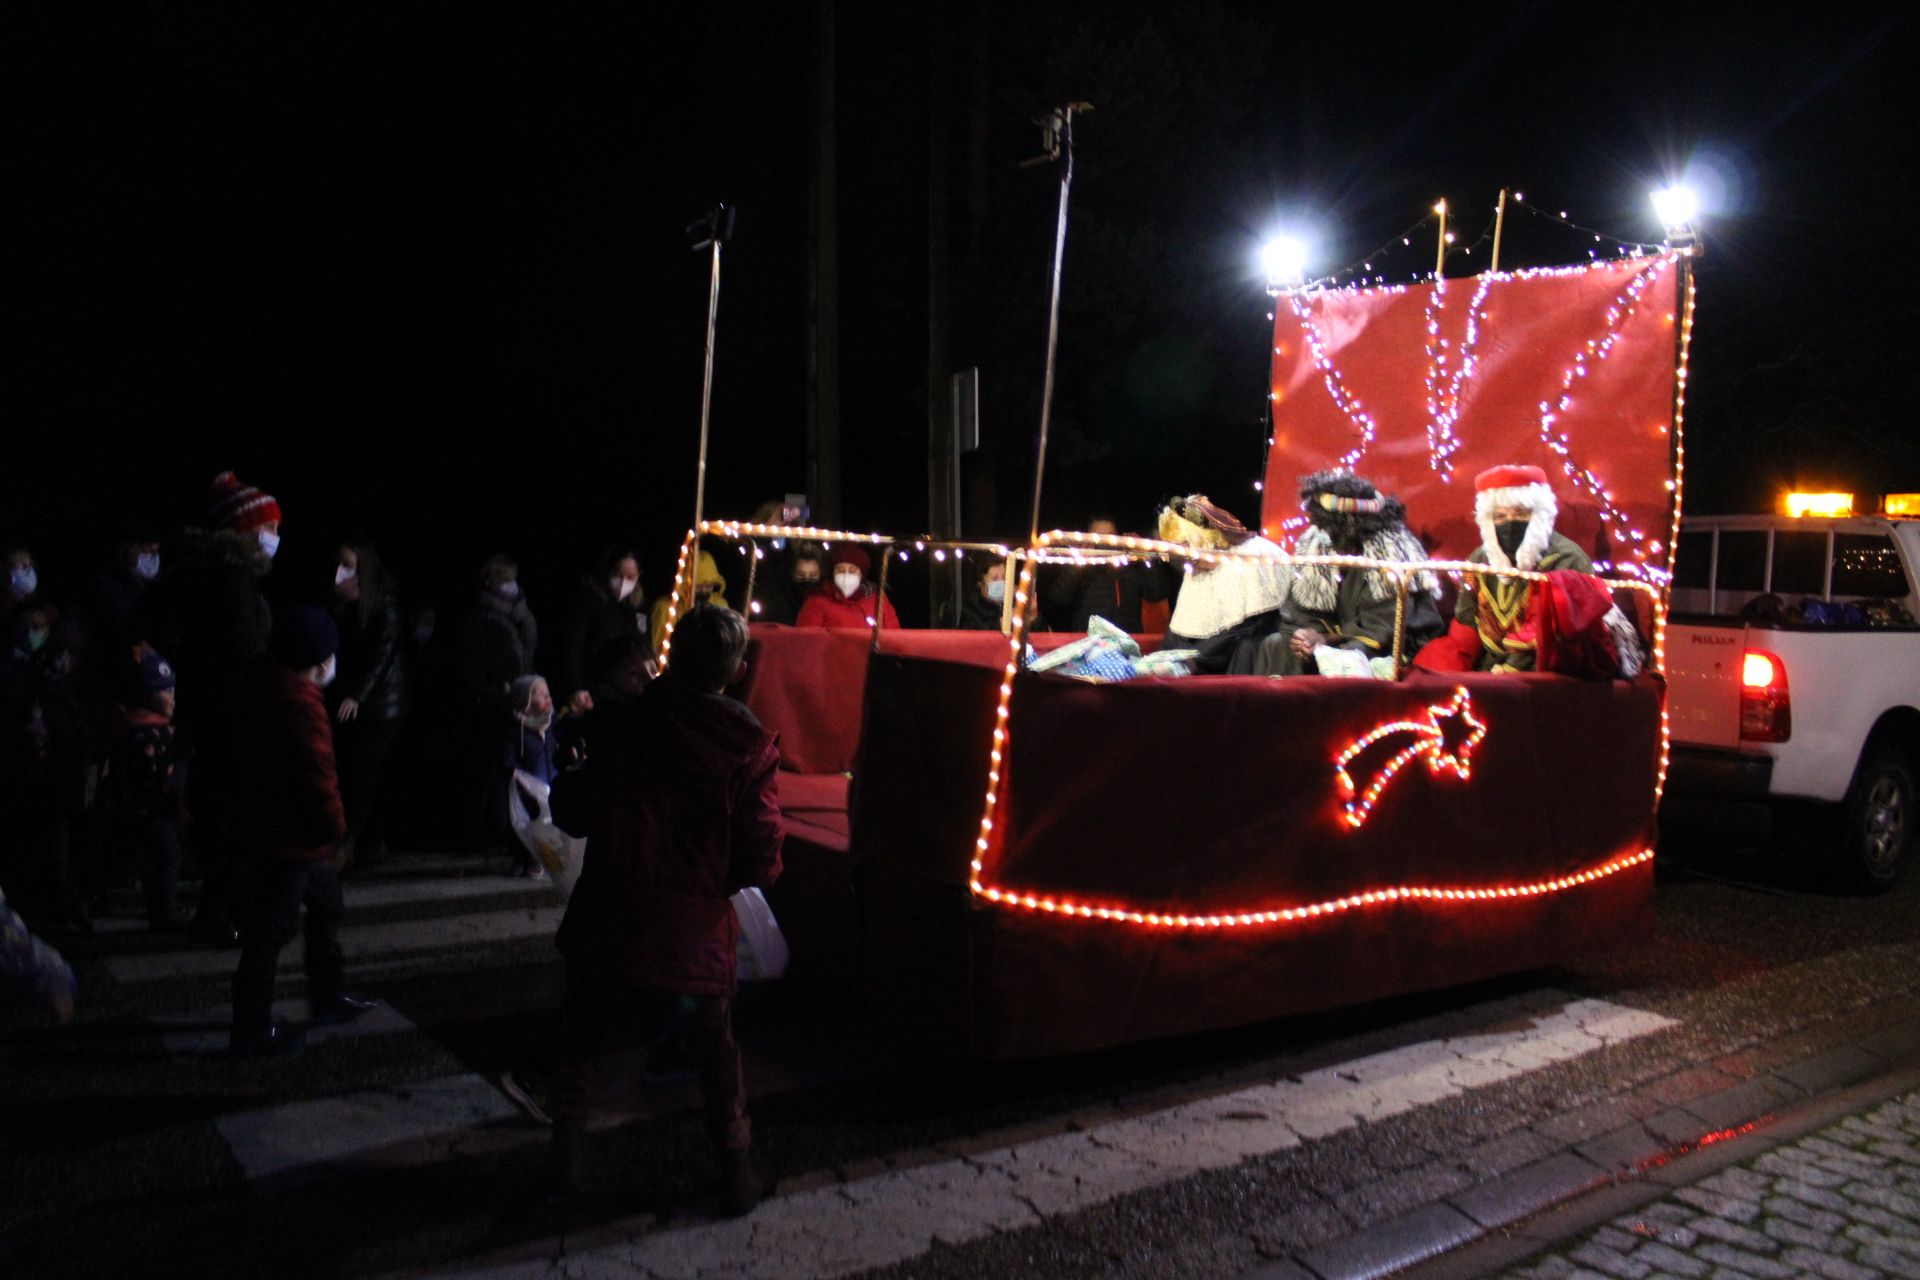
(1817, 504)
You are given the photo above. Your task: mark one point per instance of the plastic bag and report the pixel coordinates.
(560, 853)
(762, 952)
(1105, 653)
(1349, 663)
(1166, 662)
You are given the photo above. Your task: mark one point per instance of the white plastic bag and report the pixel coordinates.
(557, 851)
(1329, 661)
(763, 948)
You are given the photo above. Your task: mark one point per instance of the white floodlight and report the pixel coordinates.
(1676, 207)
(1284, 258)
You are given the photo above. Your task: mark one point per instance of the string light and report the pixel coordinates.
(1619, 311)
(1448, 371)
(1387, 896)
(1678, 486)
(673, 601)
(1443, 399)
(1429, 741)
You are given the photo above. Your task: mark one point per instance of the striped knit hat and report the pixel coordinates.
(239, 506)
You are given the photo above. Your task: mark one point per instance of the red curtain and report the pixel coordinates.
(1396, 357)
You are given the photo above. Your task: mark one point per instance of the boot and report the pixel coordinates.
(741, 1188)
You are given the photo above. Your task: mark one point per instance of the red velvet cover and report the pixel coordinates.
(1376, 361)
(808, 684)
(1219, 795)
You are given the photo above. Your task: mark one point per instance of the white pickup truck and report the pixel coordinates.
(1793, 668)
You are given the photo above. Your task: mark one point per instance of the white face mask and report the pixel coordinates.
(343, 575)
(269, 543)
(508, 590)
(23, 581)
(997, 590)
(328, 670)
(147, 566)
(622, 587)
(847, 580)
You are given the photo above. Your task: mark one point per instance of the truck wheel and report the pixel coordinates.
(1882, 813)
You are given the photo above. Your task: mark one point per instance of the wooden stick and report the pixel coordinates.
(1499, 224)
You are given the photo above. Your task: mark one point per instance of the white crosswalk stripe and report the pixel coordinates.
(365, 942)
(348, 1129)
(336, 1130)
(894, 1217)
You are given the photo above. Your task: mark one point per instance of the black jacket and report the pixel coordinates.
(495, 647)
(596, 618)
(977, 613)
(210, 619)
(374, 670)
(1113, 593)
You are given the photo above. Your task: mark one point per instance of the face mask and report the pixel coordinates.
(539, 721)
(269, 543)
(421, 635)
(1510, 534)
(622, 587)
(329, 669)
(804, 583)
(36, 638)
(848, 582)
(147, 566)
(24, 582)
(508, 591)
(997, 590)
(343, 575)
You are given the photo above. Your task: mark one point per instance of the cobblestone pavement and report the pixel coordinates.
(1841, 1204)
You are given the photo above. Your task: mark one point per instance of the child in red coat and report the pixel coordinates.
(290, 825)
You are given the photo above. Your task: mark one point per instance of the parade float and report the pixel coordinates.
(1009, 862)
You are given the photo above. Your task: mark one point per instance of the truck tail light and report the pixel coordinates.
(1766, 710)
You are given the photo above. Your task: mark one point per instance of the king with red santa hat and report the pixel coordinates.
(1515, 509)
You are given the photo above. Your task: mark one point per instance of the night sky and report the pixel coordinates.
(421, 272)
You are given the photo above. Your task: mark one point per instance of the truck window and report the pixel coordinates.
(1799, 562)
(1693, 561)
(1867, 564)
(1743, 563)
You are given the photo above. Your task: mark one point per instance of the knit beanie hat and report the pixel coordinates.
(239, 506)
(304, 637)
(854, 554)
(148, 673)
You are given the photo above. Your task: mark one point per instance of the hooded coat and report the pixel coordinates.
(680, 808)
(706, 573)
(827, 607)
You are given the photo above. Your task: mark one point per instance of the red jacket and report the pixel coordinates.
(289, 790)
(680, 809)
(826, 607)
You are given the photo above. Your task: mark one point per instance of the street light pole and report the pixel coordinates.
(1057, 134)
(710, 231)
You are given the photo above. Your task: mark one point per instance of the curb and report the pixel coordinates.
(1502, 1222)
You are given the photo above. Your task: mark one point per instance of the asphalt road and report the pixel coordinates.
(130, 1144)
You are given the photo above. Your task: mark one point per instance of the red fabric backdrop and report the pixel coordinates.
(1344, 356)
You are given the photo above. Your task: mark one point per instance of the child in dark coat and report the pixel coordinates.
(680, 806)
(143, 787)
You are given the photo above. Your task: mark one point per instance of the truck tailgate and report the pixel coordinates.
(1703, 683)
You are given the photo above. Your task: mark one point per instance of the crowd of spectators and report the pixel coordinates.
(130, 699)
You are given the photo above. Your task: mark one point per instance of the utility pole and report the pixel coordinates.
(823, 280)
